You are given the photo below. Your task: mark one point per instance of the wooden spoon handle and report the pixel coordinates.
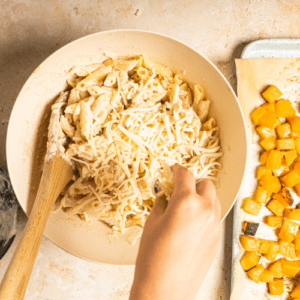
(56, 175)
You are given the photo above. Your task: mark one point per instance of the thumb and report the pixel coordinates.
(183, 180)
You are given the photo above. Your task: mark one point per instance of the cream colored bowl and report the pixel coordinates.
(26, 139)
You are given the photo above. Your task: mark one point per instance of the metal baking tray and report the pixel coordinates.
(268, 48)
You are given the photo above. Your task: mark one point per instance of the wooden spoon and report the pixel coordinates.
(57, 173)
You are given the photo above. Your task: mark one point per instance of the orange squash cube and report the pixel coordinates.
(285, 144)
(287, 196)
(295, 126)
(287, 249)
(297, 146)
(274, 250)
(262, 195)
(290, 156)
(297, 243)
(290, 179)
(249, 243)
(297, 189)
(296, 167)
(298, 253)
(296, 291)
(284, 109)
(264, 246)
(264, 157)
(282, 200)
(284, 130)
(255, 273)
(268, 143)
(271, 183)
(275, 207)
(251, 207)
(276, 287)
(263, 170)
(257, 114)
(266, 276)
(292, 214)
(249, 260)
(268, 120)
(269, 107)
(275, 268)
(274, 160)
(274, 221)
(272, 93)
(289, 268)
(290, 226)
(265, 132)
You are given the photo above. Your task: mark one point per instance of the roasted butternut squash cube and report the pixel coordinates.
(257, 114)
(297, 243)
(287, 249)
(290, 156)
(265, 132)
(290, 179)
(298, 253)
(266, 276)
(272, 93)
(274, 221)
(292, 214)
(289, 268)
(249, 243)
(275, 207)
(284, 109)
(262, 195)
(282, 200)
(296, 167)
(296, 291)
(284, 130)
(264, 246)
(269, 120)
(295, 125)
(297, 145)
(269, 106)
(285, 144)
(264, 157)
(249, 260)
(255, 273)
(297, 189)
(276, 287)
(287, 196)
(271, 183)
(268, 143)
(290, 226)
(263, 170)
(275, 268)
(274, 160)
(251, 206)
(274, 250)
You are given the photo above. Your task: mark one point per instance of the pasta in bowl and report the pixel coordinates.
(122, 122)
(123, 152)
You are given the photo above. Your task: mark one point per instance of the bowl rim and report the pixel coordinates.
(9, 135)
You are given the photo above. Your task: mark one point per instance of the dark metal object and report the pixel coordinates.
(8, 213)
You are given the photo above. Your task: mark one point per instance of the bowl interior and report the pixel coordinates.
(27, 132)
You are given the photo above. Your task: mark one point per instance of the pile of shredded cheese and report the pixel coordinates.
(125, 121)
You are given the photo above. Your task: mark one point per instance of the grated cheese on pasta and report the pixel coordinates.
(125, 121)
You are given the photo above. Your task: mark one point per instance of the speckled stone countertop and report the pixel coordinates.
(31, 30)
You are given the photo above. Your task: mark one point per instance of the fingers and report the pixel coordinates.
(159, 206)
(206, 189)
(183, 180)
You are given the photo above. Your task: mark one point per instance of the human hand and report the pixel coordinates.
(179, 242)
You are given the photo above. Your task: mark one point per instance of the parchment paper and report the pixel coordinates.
(254, 75)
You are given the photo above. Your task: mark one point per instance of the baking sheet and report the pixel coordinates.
(254, 75)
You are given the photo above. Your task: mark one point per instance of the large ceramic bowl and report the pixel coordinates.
(26, 139)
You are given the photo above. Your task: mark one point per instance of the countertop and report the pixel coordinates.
(31, 30)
